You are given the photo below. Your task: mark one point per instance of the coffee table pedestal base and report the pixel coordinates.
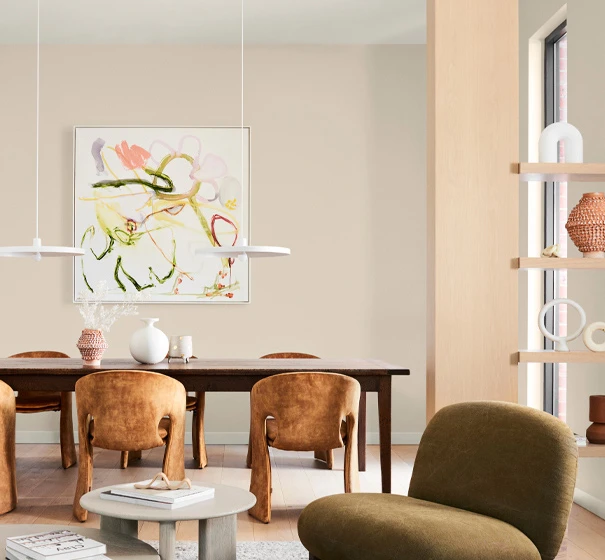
(217, 538)
(128, 527)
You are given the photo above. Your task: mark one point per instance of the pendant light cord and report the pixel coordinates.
(37, 117)
(242, 107)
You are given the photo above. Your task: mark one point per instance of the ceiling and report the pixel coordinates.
(332, 22)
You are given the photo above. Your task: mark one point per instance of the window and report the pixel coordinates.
(555, 197)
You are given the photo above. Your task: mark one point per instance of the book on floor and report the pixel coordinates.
(52, 545)
(164, 499)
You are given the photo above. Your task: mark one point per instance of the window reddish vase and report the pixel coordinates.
(92, 345)
(596, 431)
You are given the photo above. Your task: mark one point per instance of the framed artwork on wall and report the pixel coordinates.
(145, 198)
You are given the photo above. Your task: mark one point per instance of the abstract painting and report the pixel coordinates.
(147, 197)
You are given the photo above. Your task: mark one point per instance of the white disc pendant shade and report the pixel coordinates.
(36, 250)
(243, 250)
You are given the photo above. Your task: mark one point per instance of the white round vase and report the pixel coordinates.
(149, 345)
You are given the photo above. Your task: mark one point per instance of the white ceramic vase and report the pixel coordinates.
(149, 345)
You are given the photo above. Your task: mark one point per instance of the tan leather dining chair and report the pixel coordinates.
(302, 412)
(8, 480)
(133, 410)
(325, 455)
(197, 405)
(31, 402)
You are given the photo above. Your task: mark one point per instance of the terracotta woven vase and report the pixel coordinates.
(586, 225)
(92, 346)
(596, 431)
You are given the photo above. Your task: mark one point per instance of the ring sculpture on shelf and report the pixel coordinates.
(561, 341)
(589, 341)
(550, 137)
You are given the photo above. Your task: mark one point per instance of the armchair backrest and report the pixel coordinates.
(127, 407)
(503, 460)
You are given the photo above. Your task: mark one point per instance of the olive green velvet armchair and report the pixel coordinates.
(491, 480)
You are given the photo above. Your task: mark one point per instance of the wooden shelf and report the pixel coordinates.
(552, 357)
(546, 263)
(561, 172)
(592, 450)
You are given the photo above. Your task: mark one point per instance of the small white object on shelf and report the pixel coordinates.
(588, 334)
(59, 544)
(581, 441)
(149, 345)
(549, 143)
(554, 251)
(561, 341)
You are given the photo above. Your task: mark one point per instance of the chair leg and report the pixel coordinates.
(124, 460)
(327, 457)
(260, 484)
(84, 484)
(136, 455)
(199, 440)
(174, 455)
(8, 480)
(351, 471)
(68, 447)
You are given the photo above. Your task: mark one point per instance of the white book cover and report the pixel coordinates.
(193, 499)
(14, 555)
(166, 496)
(63, 544)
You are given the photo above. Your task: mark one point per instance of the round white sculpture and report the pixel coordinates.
(561, 341)
(552, 135)
(149, 345)
(589, 332)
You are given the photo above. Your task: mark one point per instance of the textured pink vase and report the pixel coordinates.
(92, 346)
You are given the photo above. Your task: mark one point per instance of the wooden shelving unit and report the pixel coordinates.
(552, 357)
(561, 172)
(592, 450)
(525, 263)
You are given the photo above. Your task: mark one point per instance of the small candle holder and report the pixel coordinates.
(181, 346)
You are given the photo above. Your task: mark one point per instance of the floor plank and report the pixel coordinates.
(46, 490)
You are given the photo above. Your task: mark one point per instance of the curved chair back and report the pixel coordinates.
(38, 354)
(127, 407)
(309, 408)
(503, 460)
(289, 356)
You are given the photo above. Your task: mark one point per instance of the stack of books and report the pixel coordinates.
(54, 545)
(164, 499)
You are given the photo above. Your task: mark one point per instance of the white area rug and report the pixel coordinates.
(187, 550)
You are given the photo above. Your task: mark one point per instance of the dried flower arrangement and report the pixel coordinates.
(101, 317)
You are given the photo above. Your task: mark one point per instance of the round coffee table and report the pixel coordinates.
(217, 519)
(119, 547)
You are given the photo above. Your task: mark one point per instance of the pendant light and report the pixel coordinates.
(242, 249)
(36, 250)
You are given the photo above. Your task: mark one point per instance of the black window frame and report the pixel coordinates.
(551, 193)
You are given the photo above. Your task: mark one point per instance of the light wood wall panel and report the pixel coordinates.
(473, 200)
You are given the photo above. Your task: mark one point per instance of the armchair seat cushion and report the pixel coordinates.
(38, 402)
(391, 527)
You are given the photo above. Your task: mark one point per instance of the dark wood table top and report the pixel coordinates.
(206, 367)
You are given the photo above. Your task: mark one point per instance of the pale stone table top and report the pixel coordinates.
(227, 500)
(119, 547)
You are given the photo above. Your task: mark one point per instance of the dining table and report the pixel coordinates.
(224, 375)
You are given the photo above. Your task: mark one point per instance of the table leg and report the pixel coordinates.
(217, 538)
(361, 433)
(128, 527)
(167, 540)
(384, 419)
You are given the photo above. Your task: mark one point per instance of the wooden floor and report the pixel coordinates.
(46, 490)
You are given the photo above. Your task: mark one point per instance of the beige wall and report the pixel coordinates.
(338, 166)
(586, 99)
